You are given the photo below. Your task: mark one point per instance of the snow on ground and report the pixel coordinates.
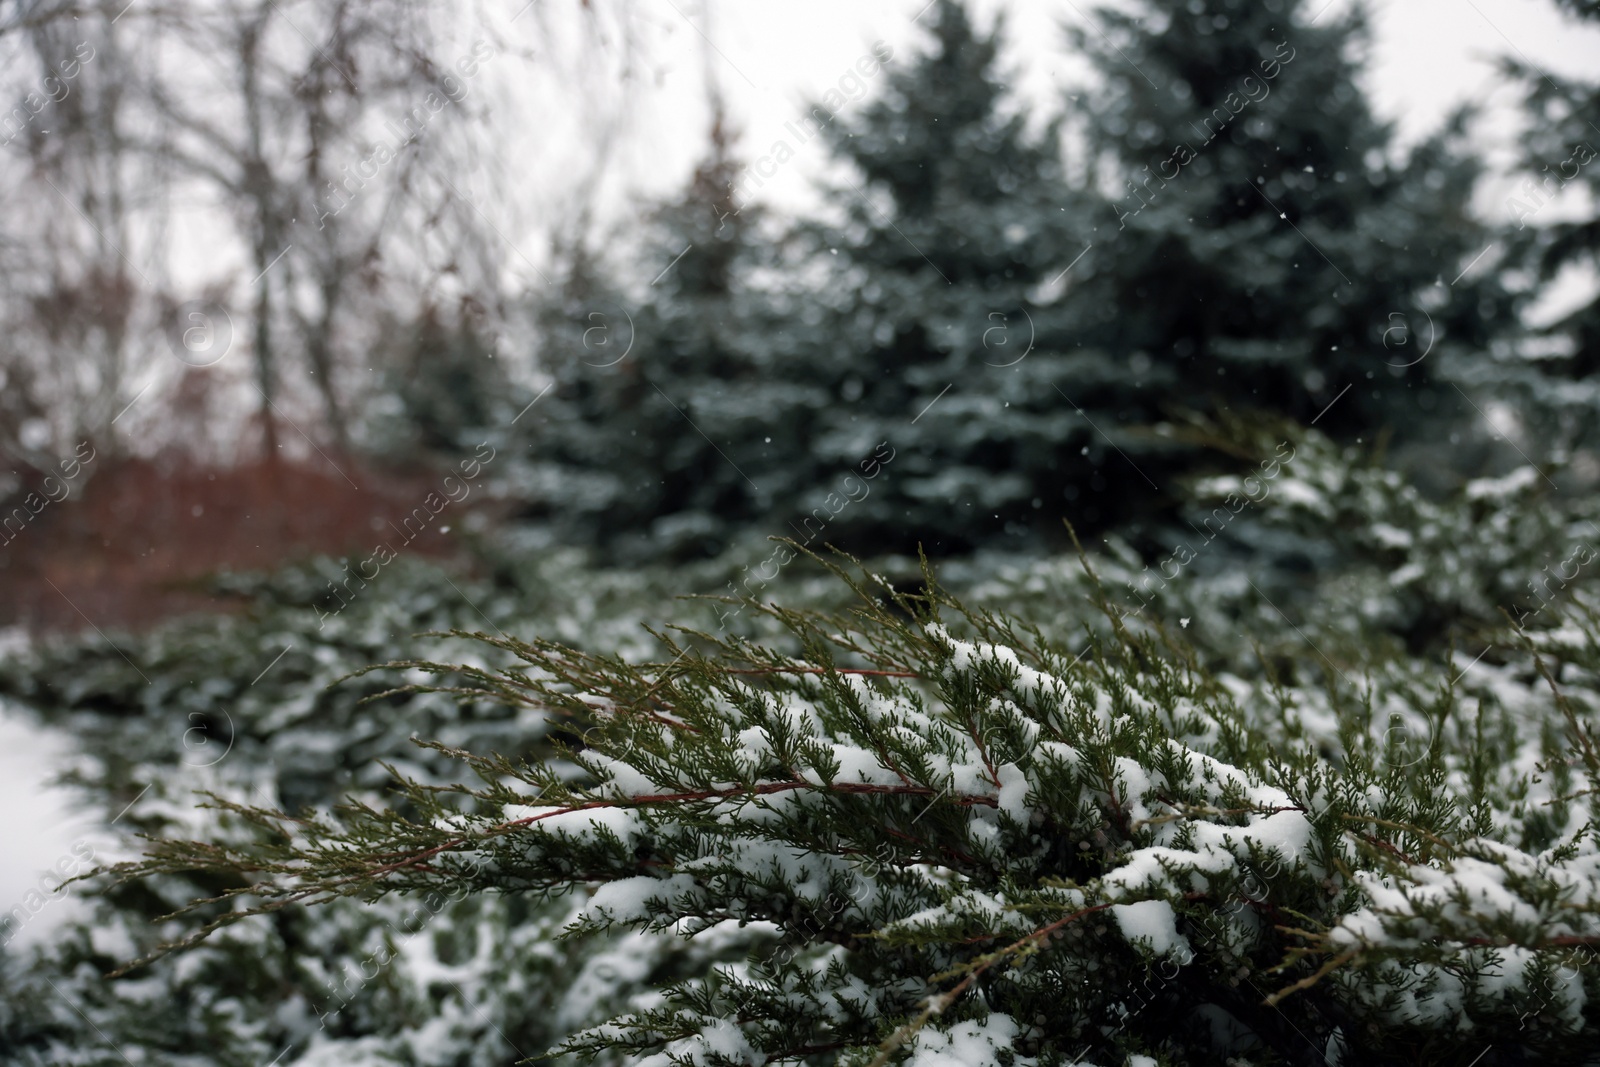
(48, 837)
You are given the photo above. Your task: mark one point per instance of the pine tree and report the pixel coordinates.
(946, 341)
(677, 419)
(994, 337)
(817, 406)
(449, 387)
(1560, 148)
(1267, 244)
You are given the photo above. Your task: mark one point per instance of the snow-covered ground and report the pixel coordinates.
(48, 836)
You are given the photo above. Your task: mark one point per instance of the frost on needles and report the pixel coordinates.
(918, 832)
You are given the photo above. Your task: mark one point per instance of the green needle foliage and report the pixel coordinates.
(1015, 302)
(1276, 244)
(1555, 371)
(678, 417)
(946, 336)
(920, 832)
(1560, 149)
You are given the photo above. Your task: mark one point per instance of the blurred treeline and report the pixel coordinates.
(244, 231)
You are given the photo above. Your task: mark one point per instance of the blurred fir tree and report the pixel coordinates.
(1005, 345)
(449, 387)
(679, 418)
(1560, 147)
(442, 391)
(945, 338)
(1268, 243)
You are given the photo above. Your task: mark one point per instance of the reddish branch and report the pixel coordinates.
(1379, 843)
(820, 670)
(783, 787)
(1188, 809)
(946, 999)
(1561, 941)
(764, 789)
(977, 739)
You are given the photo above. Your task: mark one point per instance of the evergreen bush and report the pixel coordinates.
(936, 835)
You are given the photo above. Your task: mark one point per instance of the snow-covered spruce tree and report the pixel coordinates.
(766, 377)
(938, 837)
(944, 331)
(676, 418)
(1267, 245)
(1553, 230)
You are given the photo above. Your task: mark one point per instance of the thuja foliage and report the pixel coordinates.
(936, 835)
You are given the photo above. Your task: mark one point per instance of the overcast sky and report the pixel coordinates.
(1429, 57)
(632, 74)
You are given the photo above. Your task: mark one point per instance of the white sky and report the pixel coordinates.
(1429, 57)
(633, 72)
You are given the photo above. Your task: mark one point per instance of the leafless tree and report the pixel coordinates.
(72, 319)
(346, 166)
